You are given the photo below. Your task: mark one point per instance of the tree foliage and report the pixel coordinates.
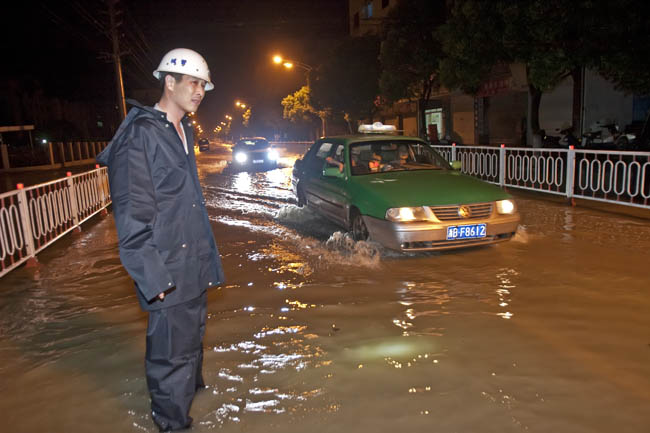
(410, 52)
(624, 55)
(552, 38)
(347, 81)
(246, 117)
(298, 106)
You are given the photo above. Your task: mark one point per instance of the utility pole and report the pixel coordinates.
(116, 56)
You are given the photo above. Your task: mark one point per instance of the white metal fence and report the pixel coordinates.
(608, 176)
(33, 218)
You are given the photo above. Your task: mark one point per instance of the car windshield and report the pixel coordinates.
(398, 155)
(252, 143)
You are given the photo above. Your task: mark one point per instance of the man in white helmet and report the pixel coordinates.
(165, 239)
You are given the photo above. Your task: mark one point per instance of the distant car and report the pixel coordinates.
(254, 152)
(204, 144)
(400, 192)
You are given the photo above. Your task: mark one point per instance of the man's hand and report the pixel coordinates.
(161, 296)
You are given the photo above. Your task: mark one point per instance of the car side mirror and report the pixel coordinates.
(456, 165)
(332, 172)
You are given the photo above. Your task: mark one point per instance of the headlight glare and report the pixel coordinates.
(407, 214)
(241, 157)
(506, 207)
(273, 155)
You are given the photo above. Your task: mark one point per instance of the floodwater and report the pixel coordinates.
(549, 332)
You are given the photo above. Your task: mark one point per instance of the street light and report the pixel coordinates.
(278, 59)
(289, 64)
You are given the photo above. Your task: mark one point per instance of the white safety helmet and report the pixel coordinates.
(187, 62)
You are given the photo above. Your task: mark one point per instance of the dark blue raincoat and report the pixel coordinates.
(165, 238)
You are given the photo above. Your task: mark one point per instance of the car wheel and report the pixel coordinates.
(621, 143)
(359, 229)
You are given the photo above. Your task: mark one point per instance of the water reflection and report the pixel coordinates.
(247, 376)
(422, 299)
(569, 225)
(243, 182)
(503, 292)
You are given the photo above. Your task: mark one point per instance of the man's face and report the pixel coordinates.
(188, 93)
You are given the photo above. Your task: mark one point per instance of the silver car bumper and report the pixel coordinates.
(431, 236)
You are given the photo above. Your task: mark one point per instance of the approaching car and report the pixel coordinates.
(400, 192)
(204, 144)
(254, 152)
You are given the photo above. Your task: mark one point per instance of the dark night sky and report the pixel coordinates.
(59, 44)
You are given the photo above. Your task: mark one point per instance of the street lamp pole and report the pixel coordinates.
(289, 64)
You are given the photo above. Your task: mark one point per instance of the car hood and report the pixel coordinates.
(378, 192)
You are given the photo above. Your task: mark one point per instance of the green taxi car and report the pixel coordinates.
(398, 191)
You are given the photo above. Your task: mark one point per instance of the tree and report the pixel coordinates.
(411, 52)
(551, 38)
(347, 81)
(246, 117)
(624, 56)
(298, 107)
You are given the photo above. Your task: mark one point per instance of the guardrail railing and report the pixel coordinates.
(33, 218)
(43, 156)
(601, 175)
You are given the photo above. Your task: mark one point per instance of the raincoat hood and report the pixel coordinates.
(138, 111)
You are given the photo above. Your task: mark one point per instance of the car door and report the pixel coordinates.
(330, 192)
(311, 170)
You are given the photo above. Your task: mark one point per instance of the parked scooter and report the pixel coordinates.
(606, 134)
(565, 138)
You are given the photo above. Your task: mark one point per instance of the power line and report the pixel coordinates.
(101, 28)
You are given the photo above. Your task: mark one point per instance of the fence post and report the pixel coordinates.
(5, 156)
(453, 152)
(72, 194)
(502, 165)
(71, 150)
(61, 153)
(570, 174)
(26, 222)
(86, 149)
(101, 191)
(49, 145)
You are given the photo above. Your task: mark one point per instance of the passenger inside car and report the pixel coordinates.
(331, 161)
(338, 158)
(403, 154)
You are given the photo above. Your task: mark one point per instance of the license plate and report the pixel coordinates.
(471, 231)
(258, 161)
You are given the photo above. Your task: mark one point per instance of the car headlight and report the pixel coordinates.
(241, 157)
(273, 155)
(506, 207)
(408, 214)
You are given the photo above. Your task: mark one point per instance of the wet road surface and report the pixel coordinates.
(314, 332)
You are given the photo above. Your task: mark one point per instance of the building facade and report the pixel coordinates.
(498, 113)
